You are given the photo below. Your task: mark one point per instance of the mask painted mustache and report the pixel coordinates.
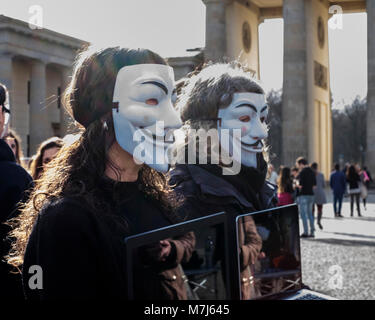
(168, 137)
(258, 143)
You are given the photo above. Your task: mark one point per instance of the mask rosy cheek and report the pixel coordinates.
(243, 130)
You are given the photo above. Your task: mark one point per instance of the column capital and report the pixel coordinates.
(6, 54)
(6, 70)
(37, 62)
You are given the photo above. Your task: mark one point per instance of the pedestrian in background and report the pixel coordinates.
(272, 175)
(306, 184)
(295, 173)
(363, 186)
(47, 151)
(285, 187)
(369, 176)
(14, 142)
(319, 193)
(337, 182)
(354, 181)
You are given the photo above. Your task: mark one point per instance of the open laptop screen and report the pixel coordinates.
(186, 261)
(277, 268)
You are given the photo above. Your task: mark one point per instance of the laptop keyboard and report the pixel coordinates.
(310, 296)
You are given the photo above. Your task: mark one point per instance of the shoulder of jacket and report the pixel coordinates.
(181, 178)
(269, 192)
(64, 209)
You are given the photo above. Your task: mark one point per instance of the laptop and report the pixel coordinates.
(275, 273)
(157, 270)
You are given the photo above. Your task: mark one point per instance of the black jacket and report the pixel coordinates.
(14, 181)
(307, 180)
(82, 252)
(354, 181)
(205, 193)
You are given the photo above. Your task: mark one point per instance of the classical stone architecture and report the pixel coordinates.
(35, 65)
(232, 33)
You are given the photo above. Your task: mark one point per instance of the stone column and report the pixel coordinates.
(40, 127)
(370, 152)
(294, 109)
(6, 70)
(216, 44)
(65, 119)
(6, 77)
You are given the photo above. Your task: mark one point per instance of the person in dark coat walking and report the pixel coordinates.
(354, 180)
(337, 182)
(223, 96)
(14, 182)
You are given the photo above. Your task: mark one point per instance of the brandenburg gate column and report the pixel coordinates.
(370, 154)
(6, 70)
(294, 109)
(307, 123)
(40, 128)
(216, 44)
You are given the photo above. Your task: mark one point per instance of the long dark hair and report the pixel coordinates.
(352, 174)
(80, 167)
(284, 181)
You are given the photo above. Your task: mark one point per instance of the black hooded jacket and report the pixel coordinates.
(205, 191)
(14, 181)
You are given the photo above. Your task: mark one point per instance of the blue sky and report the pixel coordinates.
(171, 26)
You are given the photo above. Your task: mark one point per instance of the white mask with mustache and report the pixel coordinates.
(247, 112)
(143, 100)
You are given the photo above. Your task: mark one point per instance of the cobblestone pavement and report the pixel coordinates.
(340, 260)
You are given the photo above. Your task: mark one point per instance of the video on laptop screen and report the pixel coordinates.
(178, 263)
(277, 268)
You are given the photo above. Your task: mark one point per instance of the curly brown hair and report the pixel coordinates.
(80, 166)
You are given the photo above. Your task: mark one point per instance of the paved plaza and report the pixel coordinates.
(340, 260)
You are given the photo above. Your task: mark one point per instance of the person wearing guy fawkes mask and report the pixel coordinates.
(14, 181)
(224, 96)
(98, 190)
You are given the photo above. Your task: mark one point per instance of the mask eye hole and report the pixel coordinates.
(262, 119)
(245, 118)
(152, 102)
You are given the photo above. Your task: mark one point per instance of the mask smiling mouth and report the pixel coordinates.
(257, 145)
(166, 138)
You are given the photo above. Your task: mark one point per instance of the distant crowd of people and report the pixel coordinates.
(305, 185)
